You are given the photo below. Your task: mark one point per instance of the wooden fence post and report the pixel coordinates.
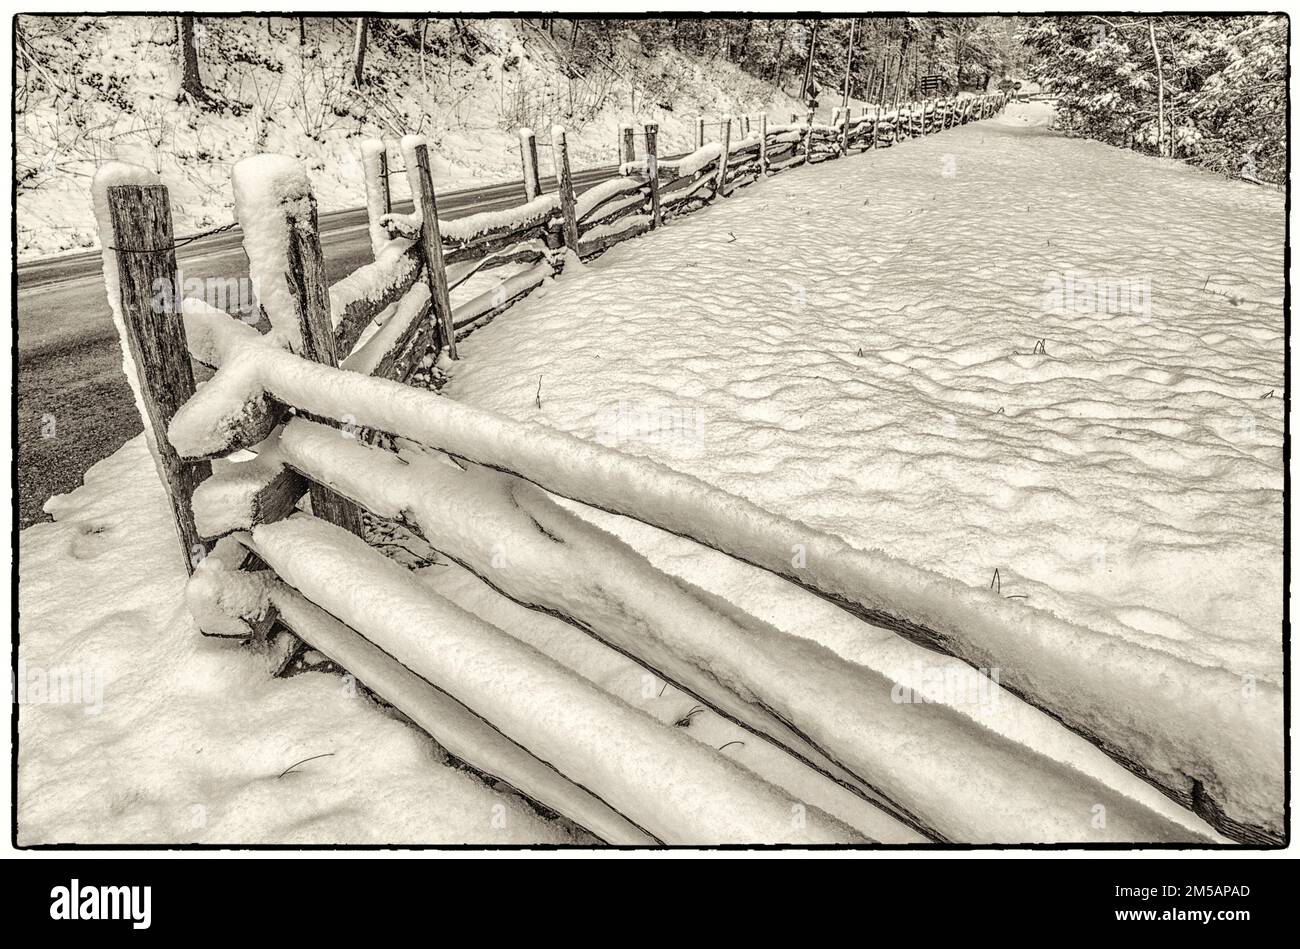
(627, 134)
(310, 289)
(699, 132)
(807, 145)
(155, 337)
(725, 157)
(385, 185)
(762, 143)
(564, 179)
(528, 156)
(652, 170)
(845, 114)
(431, 246)
(875, 127)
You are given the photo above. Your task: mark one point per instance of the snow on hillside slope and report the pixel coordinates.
(274, 96)
(899, 349)
(162, 736)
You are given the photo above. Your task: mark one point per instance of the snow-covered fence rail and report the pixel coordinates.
(331, 366)
(829, 716)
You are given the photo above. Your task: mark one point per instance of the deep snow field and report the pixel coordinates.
(852, 345)
(123, 81)
(855, 345)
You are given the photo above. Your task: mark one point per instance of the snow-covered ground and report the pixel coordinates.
(853, 345)
(122, 78)
(885, 348)
(991, 350)
(134, 728)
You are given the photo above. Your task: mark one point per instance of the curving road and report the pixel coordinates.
(74, 406)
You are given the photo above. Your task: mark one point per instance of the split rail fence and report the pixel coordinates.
(320, 405)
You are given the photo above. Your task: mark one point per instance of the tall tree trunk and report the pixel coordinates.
(848, 63)
(807, 69)
(780, 55)
(1160, 89)
(191, 81)
(359, 53)
(302, 31)
(744, 41)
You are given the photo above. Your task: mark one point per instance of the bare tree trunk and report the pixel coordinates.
(191, 81)
(359, 52)
(780, 55)
(744, 41)
(1160, 90)
(302, 31)
(807, 69)
(848, 64)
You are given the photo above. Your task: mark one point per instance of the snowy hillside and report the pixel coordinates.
(107, 87)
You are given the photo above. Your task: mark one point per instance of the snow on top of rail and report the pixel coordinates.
(392, 265)
(391, 326)
(1191, 723)
(683, 167)
(674, 787)
(465, 229)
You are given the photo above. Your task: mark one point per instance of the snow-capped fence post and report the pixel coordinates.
(724, 157)
(431, 244)
(155, 337)
(762, 143)
(564, 179)
(528, 156)
(652, 171)
(627, 152)
(309, 288)
(379, 195)
(699, 132)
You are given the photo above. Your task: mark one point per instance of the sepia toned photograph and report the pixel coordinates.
(789, 431)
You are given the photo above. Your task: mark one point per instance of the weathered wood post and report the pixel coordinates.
(845, 114)
(725, 157)
(652, 171)
(385, 184)
(155, 337)
(807, 144)
(699, 132)
(528, 157)
(309, 288)
(627, 136)
(875, 127)
(762, 143)
(564, 180)
(431, 247)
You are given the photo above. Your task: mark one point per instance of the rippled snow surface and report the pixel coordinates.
(857, 345)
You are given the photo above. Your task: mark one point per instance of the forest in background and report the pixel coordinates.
(1211, 90)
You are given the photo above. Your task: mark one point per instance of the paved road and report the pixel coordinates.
(74, 406)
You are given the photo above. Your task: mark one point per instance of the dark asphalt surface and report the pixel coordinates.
(74, 405)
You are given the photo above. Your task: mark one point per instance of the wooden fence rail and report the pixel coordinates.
(325, 386)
